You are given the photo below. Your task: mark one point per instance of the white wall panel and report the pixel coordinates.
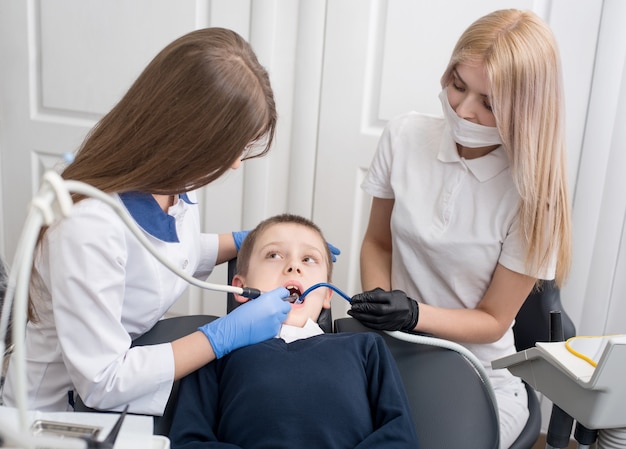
(89, 52)
(605, 296)
(617, 308)
(418, 40)
(597, 209)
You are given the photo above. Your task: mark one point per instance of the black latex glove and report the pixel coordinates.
(387, 311)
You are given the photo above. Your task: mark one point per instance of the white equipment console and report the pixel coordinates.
(593, 396)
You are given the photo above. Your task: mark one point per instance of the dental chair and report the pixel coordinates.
(450, 403)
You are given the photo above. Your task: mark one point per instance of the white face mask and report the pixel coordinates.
(466, 133)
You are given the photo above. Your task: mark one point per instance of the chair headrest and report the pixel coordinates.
(532, 323)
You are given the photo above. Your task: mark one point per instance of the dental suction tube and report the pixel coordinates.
(300, 299)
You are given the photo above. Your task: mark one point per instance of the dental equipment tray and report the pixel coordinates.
(595, 397)
(57, 428)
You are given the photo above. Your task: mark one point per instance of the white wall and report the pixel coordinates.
(595, 292)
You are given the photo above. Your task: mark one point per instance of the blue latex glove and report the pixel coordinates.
(253, 322)
(238, 237)
(334, 251)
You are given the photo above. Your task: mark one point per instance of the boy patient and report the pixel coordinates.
(304, 389)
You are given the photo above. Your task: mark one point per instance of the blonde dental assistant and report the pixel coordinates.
(201, 106)
(470, 211)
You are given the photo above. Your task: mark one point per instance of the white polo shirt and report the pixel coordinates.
(453, 219)
(98, 289)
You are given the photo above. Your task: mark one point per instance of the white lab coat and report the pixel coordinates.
(95, 290)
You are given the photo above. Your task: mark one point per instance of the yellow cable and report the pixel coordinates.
(588, 359)
(579, 354)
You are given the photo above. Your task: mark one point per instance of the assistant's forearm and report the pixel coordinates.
(491, 318)
(375, 266)
(460, 325)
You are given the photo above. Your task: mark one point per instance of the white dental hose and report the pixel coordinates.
(53, 202)
(50, 202)
(447, 344)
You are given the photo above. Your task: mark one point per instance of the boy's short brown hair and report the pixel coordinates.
(243, 257)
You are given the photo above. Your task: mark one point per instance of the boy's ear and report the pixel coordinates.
(238, 282)
(329, 294)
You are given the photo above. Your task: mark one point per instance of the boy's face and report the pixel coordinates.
(290, 255)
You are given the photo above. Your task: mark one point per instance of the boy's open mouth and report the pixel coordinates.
(294, 293)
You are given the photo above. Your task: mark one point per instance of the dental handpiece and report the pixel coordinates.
(253, 293)
(250, 293)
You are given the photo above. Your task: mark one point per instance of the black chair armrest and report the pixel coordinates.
(451, 405)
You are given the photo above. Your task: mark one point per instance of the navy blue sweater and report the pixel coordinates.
(324, 392)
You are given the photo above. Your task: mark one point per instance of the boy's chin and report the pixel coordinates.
(296, 321)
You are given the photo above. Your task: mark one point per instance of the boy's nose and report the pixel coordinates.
(293, 268)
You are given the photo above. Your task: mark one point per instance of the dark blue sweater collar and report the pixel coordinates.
(148, 214)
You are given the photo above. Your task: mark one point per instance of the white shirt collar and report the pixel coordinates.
(483, 168)
(292, 333)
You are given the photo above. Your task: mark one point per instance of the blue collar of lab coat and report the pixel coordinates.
(148, 214)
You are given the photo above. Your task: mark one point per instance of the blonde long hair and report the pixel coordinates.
(521, 59)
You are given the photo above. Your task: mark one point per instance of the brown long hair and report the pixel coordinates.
(192, 112)
(184, 121)
(521, 58)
